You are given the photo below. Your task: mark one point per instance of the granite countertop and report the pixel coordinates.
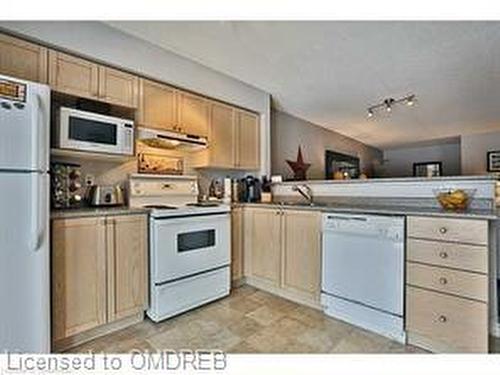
(381, 209)
(395, 179)
(96, 211)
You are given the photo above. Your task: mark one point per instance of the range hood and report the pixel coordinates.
(170, 140)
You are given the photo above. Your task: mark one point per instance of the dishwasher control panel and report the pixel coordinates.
(390, 227)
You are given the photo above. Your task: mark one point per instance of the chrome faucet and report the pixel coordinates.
(307, 194)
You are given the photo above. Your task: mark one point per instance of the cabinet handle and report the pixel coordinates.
(443, 254)
(442, 319)
(443, 230)
(443, 281)
(277, 212)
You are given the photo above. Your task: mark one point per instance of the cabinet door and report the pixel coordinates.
(237, 243)
(78, 275)
(248, 134)
(127, 265)
(72, 75)
(302, 252)
(22, 59)
(264, 246)
(117, 87)
(157, 105)
(193, 114)
(222, 136)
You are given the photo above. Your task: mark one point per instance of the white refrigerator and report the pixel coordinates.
(24, 217)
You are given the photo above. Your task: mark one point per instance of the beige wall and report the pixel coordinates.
(474, 149)
(288, 132)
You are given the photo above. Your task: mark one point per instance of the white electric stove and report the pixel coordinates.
(189, 244)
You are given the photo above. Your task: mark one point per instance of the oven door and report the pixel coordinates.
(189, 245)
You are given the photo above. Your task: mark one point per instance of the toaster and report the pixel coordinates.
(105, 195)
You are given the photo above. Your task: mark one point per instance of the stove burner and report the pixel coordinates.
(160, 207)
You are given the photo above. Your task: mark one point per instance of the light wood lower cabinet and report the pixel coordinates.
(264, 256)
(237, 228)
(78, 276)
(99, 271)
(447, 284)
(282, 251)
(21, 59)
(127, 265)
(302, 252)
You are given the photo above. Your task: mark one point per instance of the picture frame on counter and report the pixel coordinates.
(493, 161)
(428, 169)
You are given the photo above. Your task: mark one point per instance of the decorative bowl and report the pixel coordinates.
(454, 199)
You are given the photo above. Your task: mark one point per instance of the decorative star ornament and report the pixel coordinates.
(298, 167)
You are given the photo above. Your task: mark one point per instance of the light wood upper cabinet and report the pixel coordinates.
(127, 265)
(193, 114)
(78, 275)
(237, 243)
(264, 257)
(302, 252)
(22, 59)
(248, 145)
(157, 105)
(117, 87)
(222, 136)
(73, 75)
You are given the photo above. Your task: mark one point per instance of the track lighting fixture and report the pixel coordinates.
(389, 103)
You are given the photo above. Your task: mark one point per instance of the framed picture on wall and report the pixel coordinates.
(493, 161)
(428, 169)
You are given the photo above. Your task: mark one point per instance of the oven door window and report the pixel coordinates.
(195, 240)
(85, 130)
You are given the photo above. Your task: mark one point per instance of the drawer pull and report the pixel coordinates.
(443, 254)
(443, 281)
(443, 230)
(442, 319)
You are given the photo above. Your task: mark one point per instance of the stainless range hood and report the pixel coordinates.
(170, 140)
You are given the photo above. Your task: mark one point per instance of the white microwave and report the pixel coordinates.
(88, 131)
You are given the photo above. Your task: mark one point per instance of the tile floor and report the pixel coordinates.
(248, 321)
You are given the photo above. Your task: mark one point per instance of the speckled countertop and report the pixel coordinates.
(96, 211)
(385, 210)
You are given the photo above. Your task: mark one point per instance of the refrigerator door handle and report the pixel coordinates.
(41, 132)
(38, 204)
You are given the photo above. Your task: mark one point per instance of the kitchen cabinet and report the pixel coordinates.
(117, 87)
(127, 265)
(222, 137)
(234, 139)
(22, 59)
(248, 140)
(73, 75)
(157, 106)
(302, 252)
(99, 275)
(282, 252)
(264, 255)
(447, 284)
(193, 114)
(78, 275)
(237, 228)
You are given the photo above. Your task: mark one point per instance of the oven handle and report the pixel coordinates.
(186, 216)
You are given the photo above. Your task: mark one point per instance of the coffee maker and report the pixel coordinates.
(250, 189)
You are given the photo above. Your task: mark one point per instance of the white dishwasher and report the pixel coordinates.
(362, 280)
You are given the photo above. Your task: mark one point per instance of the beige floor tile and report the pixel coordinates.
(245, 327)
(248, 321)
(266, 315)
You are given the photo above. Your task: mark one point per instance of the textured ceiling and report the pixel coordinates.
(330, 72)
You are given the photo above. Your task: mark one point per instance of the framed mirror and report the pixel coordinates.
(428, 169)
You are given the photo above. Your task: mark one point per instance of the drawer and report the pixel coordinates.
(445, 229)
(454, 255)
(465, 284)
(447, 323)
